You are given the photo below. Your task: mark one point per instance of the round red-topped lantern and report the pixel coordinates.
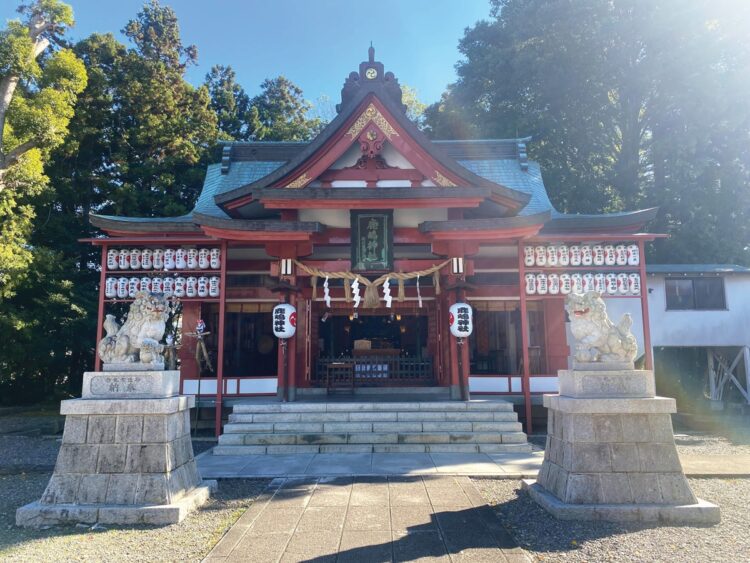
(284, 320)
(461, 320)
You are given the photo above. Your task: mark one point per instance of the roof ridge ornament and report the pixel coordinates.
(371, 77)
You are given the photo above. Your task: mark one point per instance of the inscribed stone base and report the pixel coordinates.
(39, 515)
(121, 461)
(700, 512)
(607, 448)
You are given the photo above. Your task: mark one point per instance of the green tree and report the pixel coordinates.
(630, 103)
(283, 112)
(39, 83)
(237, 119)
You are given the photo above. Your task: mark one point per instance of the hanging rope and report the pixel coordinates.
(372, 299)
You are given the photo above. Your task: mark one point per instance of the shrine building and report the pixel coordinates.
(372, 231)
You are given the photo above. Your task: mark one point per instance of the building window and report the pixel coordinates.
(695, 293)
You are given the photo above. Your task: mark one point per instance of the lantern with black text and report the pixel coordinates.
(284, 320)
(461, 321)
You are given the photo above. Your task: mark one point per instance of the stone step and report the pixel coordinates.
(373, 448)
(322, 407)
(417, 426)
(289, 439)
(367, 416)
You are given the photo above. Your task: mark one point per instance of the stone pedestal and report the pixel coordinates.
(123, 460)
(611, 454)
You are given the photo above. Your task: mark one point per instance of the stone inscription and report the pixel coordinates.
(607, 384)
(120, 385)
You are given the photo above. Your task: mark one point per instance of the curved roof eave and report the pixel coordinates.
(183, 223)
(436, 152)
(485, 224)
(563, 222)
(271, 225)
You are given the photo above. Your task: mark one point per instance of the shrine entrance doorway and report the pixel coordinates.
(374, 348)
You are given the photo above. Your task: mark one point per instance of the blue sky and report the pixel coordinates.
(315, 43)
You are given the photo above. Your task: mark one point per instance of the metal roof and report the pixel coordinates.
(696, 269)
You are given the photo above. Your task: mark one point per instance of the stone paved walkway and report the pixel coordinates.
(369, 519)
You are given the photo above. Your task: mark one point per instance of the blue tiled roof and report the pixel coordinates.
(508, 173)
(239, 174)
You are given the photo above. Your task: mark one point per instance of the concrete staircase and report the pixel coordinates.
(373, 427)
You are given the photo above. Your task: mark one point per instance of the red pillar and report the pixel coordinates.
(191, 312)
(220, 351)
(649, 352)
(525, 377)
(100, 315)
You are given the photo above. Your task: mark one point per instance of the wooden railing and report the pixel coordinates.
(372, 371)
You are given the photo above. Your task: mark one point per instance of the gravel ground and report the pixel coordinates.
(190, 540)
(548, 539)
(32, 424)
(706, 444)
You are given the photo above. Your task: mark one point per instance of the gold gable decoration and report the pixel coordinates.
(441, 180)
(299, 182)
(372, 114)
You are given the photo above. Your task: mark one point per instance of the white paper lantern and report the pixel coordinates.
(113, 259)
(541, 284)
(168, 286)
(213, 286)
(587, 256)
(110, 288)
(623, 287)
(553, 284)
(634, 255)
(563, 255)
(284, 320)
(179, 286)
(530, 284)
(169, 258)
(576, 283)
(528, 255)
(575, 255)
(180, 259)
(621, 255)
(598, 254)
(157, 285)
(551, 255)
(147, 259)
(204, 258)
(611, 283)
(461, 320)
(191, 287)
(124, 259)
(566, 284)
(600, 283)
(203, 286)
(122, 288)
(134, 285)
(145, 283)
(540, 255)
(634, 284)
(215, 258)
(588, 282)
(192, 259)
(158, 258)
(135, 259)
(610, 258)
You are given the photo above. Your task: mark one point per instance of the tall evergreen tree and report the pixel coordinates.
(630, 103)
(237, 119)
(283, 112)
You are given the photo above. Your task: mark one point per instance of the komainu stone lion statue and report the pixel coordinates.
(597, 338)
(137, 340)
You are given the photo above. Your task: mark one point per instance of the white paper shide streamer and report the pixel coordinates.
(326, 293)
(387, 292)
(355, 292)
(419, 295)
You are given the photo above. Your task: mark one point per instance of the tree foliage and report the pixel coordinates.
(631, 103)
(39, 84)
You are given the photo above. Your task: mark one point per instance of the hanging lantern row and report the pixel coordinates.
(163, 259)
(582, 255)
(563, 284)
(191, 286)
